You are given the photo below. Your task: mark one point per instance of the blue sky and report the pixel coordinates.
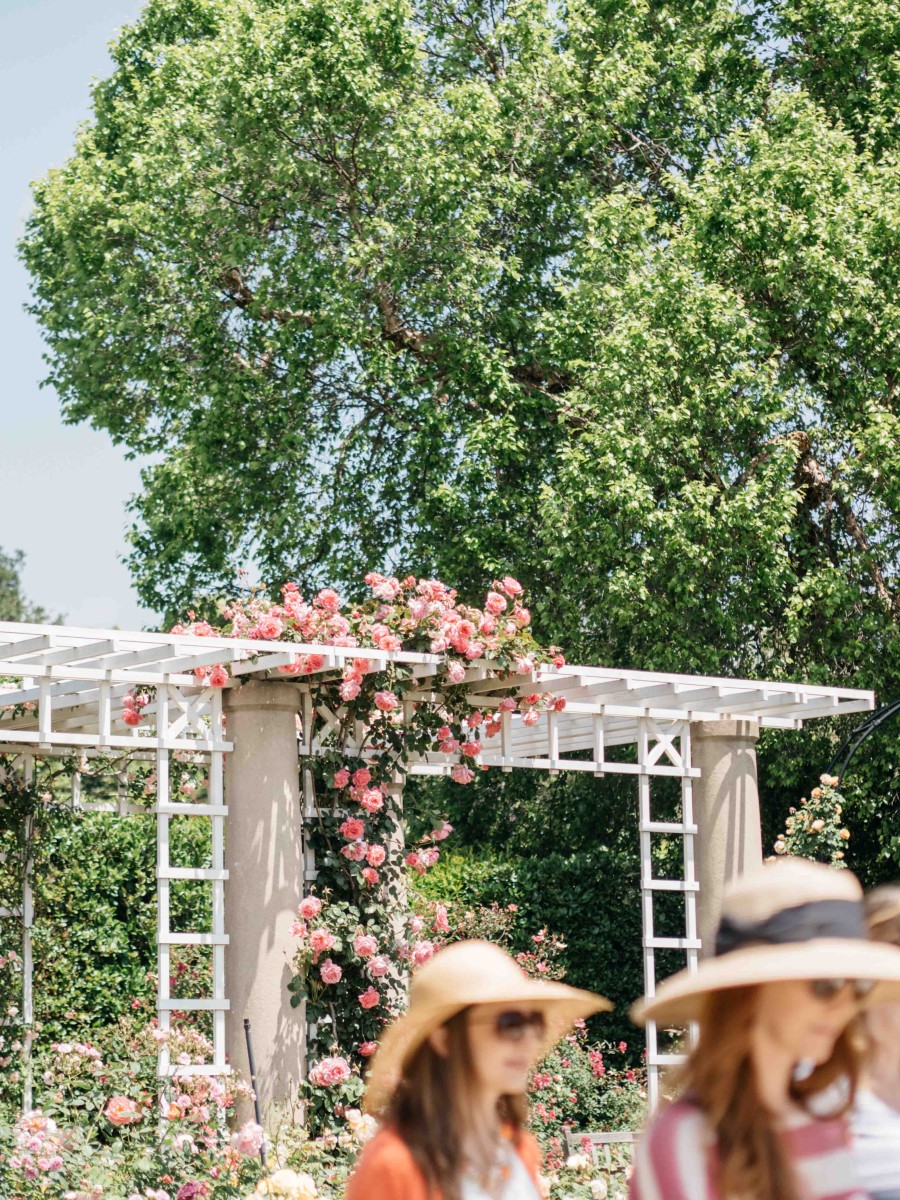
(63, 488)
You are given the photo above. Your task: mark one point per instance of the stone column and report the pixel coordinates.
(264, 859)
(726, 810)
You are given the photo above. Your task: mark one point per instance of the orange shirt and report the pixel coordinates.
(387, 1170)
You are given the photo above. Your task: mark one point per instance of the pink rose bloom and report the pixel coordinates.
(386, 701)
(443, 832)
(522, 617)
(321, 940)
(456, 672)
(314, 662)
(474, 719)
(131, 716)
(375, 856)
(441, 921)
(495, 603)
(449, 746)
(349, 689)
(370, 998)
(471, 749)
(492, 728)
(218, 676)
(370, 875)
(559, 704)
(352, 829)
(474, 650)
(367, 1049)
(269, 627)
(421, 952)
(120, 1110)
(487, 624)
(310, 906)
(531, 717)
(429, 856)
(249, 1139)
(559, 661)
(372, 800)
(416, 925)
(355, 851)
(341, 778)
(412, 860)
(378, 966)
(511, 586)
(330, 1071)
(507, 704)
(524, 666)
(461, 774)
(330, 972)
(365, 945)
(387, 589)
(298, 928)
(443, 733)
(418, 608)
(362, 777)
(329, 600)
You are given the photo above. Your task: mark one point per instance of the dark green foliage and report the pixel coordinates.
(13, 604)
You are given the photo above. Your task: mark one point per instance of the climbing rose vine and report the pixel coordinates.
(356, 938)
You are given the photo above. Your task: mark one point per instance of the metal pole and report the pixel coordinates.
(250, 1060)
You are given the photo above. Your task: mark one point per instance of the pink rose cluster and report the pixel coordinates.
(38, 1147)
(133, 705)
(330, 1072)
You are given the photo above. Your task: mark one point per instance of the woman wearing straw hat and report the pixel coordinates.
(764, 1091)
(876, 1115)
(448, 1081)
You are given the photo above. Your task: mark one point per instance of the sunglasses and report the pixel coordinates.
(827, 989)
(512, 1026)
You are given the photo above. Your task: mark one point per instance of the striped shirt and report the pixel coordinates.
(676, 1158)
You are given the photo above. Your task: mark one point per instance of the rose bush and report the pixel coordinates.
(815, 829)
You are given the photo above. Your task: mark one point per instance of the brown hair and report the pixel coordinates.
(431, 1111)
(883, 913)
(719, 1076)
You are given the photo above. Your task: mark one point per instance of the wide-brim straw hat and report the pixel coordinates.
(464, 974)
(791, 919)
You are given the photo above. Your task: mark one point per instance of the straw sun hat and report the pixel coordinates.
(791, 919)
(470, 973)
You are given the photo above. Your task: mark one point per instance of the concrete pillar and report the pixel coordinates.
(726, 810)
(264, 858)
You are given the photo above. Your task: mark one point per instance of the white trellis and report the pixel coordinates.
(70, 684)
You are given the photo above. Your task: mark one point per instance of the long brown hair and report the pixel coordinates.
(431, 1110)
(719, 1075)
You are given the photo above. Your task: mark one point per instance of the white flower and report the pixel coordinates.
(598, 1188)
(578, 1162)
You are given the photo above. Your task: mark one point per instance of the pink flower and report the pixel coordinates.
(365, 945)
(511, 586)
(449, 746)
(386, 701)
(507, 704)
(370, 998)
(416, 924)
(474, 650)
(378, 966)
(218, 676)
(362, 777)
(456, 672)
(355, 851)
(443, 831)
(429, 856)
(471, 749)
(269, 627)
(375, 856)
(352, 829)
(367, 1049)
(495, 603)
(522, 617)
(623, 1046)
(372, 800)
(249, 1139)
(531, 717)
(474, 719)
(524, 666)
(330, 972)
(421, 952)
(341, 778)
(298, 928)
(441, 736)
(321, 940)
(329, 600)
(461, 774)
(131, 716)
(441, 921)
(412, 860)
(370, 875)
(310, 906)
(350, 689)
(120, 1110)
(559, 661)
(330, 1071)
(559, 704)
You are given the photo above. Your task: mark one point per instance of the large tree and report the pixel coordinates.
(602, 291)
(14, 606)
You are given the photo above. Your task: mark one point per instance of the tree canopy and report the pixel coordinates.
(604, 292)
(13, 604)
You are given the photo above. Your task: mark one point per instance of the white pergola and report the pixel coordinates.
(67, 697)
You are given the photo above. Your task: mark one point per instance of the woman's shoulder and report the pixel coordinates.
(386, 1168)
(673, 1156)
